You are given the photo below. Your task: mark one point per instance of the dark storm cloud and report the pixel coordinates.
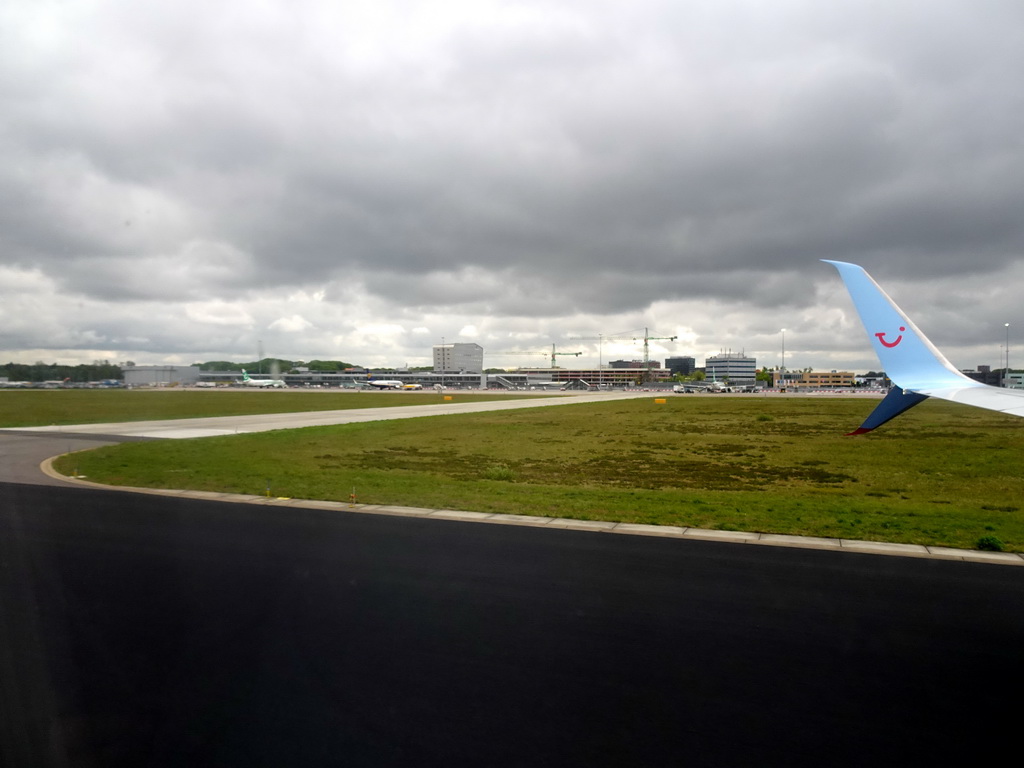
(507, 160)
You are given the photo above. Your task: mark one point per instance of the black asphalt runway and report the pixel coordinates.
(146, 630)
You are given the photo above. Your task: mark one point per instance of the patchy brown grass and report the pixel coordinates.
(941, 474)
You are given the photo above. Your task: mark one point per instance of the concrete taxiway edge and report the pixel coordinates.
(596, 526)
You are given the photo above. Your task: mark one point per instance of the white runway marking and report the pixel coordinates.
(178, 429)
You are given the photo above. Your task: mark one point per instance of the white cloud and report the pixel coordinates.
(218, 313)
(291, 324)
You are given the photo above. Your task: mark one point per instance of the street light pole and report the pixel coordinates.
(1006, 370)
(782, 382)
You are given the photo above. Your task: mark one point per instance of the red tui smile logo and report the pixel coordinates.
(890, 344)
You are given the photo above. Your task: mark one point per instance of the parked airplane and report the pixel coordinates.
(910, 360)
(698, 386)
(711, 386)
(276, 383)
(386, 383)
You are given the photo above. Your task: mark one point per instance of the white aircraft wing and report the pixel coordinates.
(910, 360)
(1009, 401)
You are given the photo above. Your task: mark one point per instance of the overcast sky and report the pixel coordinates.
(184, 181)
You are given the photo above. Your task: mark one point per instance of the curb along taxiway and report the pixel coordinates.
(223, 425)
(596, 526)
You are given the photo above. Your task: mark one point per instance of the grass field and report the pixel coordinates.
(939, 475)
(36, 408)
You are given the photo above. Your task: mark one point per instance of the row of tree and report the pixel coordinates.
(268, 364)
(101, 370)
(98, 370)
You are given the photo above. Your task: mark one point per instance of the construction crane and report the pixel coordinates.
(601, 338)
(554, 354)
(648, 338)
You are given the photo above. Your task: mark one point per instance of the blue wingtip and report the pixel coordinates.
(895, 402)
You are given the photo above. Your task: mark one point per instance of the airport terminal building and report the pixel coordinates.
(523, 378)
(631, 376)
(161, 375)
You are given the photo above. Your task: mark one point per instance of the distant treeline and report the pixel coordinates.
(97, 371)
(101, 370)
(275, 363)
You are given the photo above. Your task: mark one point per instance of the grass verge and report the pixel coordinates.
(38, 408)
(941, 475)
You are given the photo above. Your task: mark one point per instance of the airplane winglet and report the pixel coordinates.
(909, 359)
(896, 402)
(912, 362)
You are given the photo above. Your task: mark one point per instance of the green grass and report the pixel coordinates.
(940, 475)
(36, 408)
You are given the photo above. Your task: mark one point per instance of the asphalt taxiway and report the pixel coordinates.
(22, 453)
(151, 629)
(44, 442)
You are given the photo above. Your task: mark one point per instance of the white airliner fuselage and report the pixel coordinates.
(698, 386)
(275, 383)
(386, 383)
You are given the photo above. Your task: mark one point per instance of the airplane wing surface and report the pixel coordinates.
(1009, 401)
(910, 360)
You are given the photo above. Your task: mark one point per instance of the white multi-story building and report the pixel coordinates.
(734, 367)
(1014, 379)
(456, 358)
